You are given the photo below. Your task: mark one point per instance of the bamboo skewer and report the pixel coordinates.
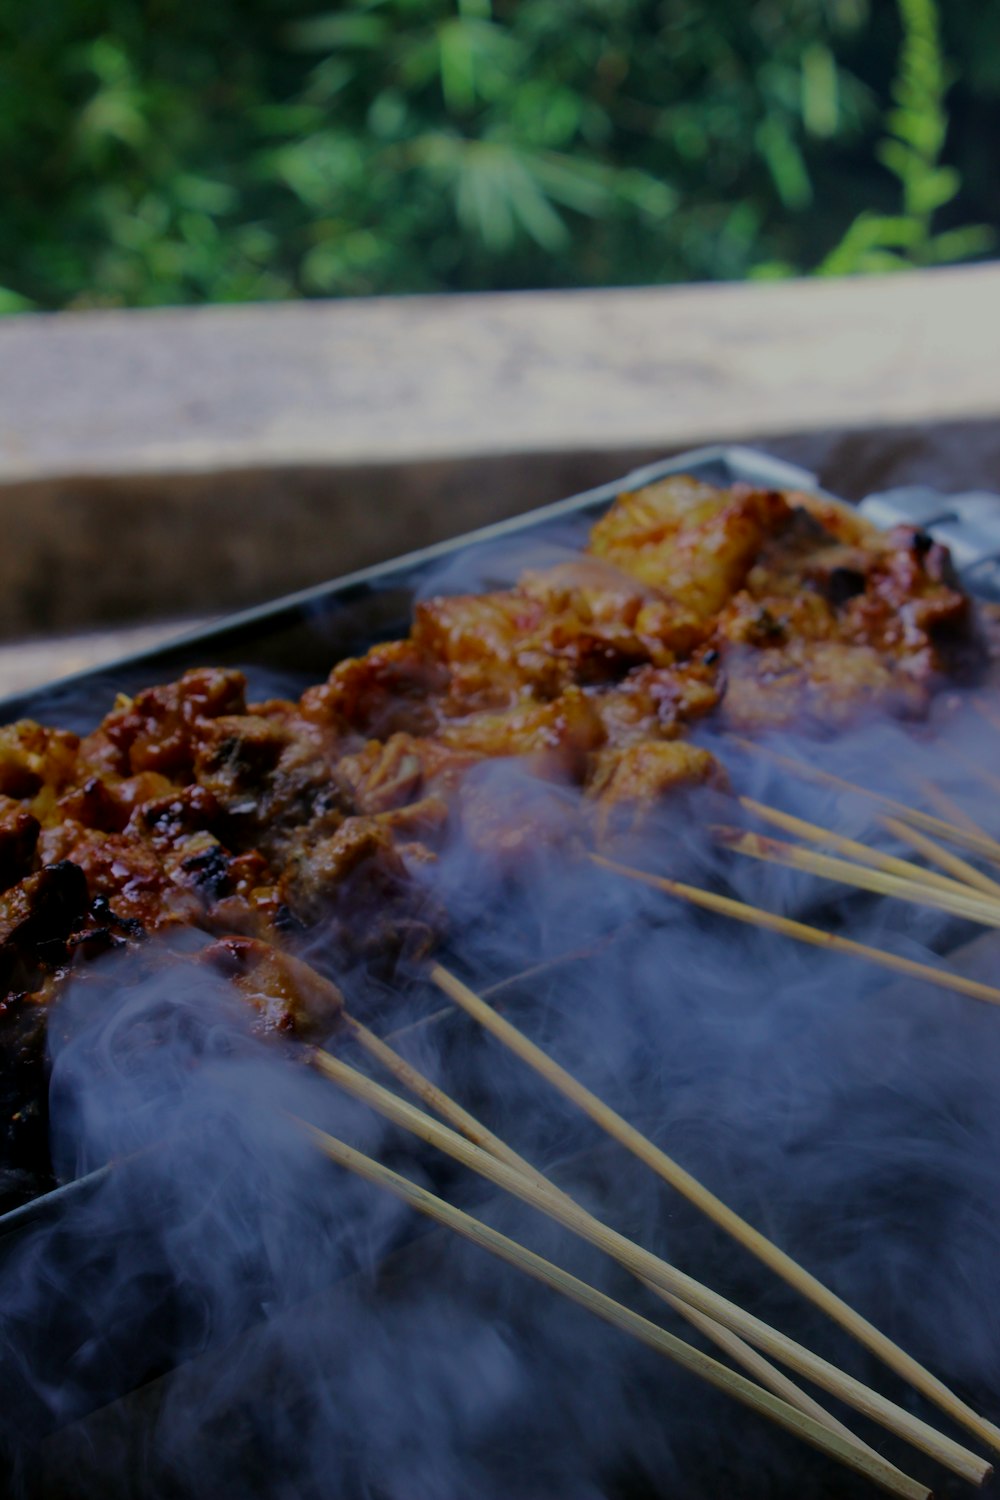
(776, 851)
(960, 868)
(676, 1175)
(768, 1375)
(945, 806)
(424, 1023)
(978, 843)
(815, 833)
(450, 1110)
(756, 916)
(539, 1193)
(619, 1316)
(473, 1130)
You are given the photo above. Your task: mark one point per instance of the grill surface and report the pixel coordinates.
(296, 640)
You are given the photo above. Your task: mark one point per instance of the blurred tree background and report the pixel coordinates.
(162, 151)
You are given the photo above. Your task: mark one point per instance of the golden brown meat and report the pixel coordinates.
(286, 994)
(628, 784)
(690, 540)
(825, 632)
(19, 831)
(189, 805)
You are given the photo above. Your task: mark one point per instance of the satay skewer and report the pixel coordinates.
(451, 1111)
(960, 868)
(756, 916)
(966, 838)
(299, 973)
(971, 905)
(713, 1207)
(539, 1193)
(619, 1316)
(945, 806)
(816, 833)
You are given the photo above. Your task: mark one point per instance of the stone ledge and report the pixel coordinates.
(191, 461)
(390, 380)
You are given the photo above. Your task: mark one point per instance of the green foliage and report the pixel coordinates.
(166, 152)
(912, 151)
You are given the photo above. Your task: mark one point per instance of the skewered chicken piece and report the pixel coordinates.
(187, 806)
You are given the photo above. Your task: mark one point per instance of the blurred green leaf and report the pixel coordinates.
(13, 302)
(820, 91)
(917, 130)
(785, 161)
(331, 32)
(772, 270)
(457, 64)
(279, 148)
(934, 188)
(961, 244)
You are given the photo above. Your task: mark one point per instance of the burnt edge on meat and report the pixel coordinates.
(265, 825)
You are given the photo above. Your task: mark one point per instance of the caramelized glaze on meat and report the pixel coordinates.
(257, 822)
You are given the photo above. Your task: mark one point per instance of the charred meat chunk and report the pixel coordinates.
(37, 916)
(19, 831)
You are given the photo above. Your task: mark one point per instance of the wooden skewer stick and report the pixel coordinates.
(450, 1110)
(425, 1023)
(586, 1296)
(972, 906)
(676, 1175)
(540, 1194)
(978, 843)
(756, 916)
(815, 833)
(959, 867)
(945, 806)
(299, 972)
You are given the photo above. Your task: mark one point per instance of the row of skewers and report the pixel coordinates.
(948, 882)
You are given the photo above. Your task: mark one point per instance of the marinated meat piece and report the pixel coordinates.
(288, 995)
(494, 722)
(37, 917)
(509, 819)
(320, 866)
(108, 802)
(126, 872)
(690, 540)
(403, 770)
(24, 1152)
(19, 832)
(160, 729)
(595, 611)
(559, 735)
(578, 624)
(354, 877)
(655, 702)
(910, 608)
(844, 633)
(237, 754)
(35, 762)
(628, 784)
(384, 692)
(480, 639)
(283, 776)
(171, 818)
(825, 683)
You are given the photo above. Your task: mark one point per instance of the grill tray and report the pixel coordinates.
(293, 641)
